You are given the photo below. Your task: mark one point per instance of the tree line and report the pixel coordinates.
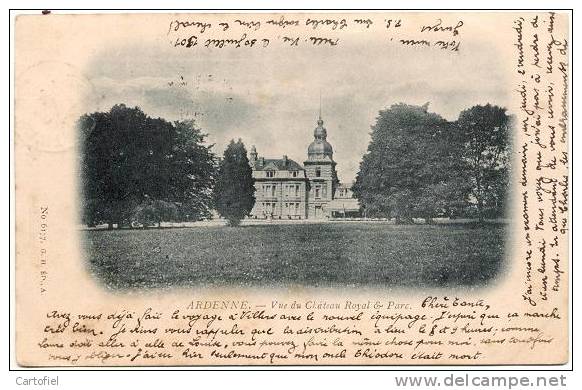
(139, 171)
(419, 165)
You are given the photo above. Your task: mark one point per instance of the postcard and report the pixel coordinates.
(292, 188)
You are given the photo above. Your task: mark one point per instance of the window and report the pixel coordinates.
(317, 192)
(297, 190)
(270, 173)
(294, 173)
(317, 172)
(270, 190)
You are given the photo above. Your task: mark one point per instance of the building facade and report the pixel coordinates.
(344, 205)
(284, 189)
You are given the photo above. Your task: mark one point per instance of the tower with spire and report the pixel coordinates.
(320, 171)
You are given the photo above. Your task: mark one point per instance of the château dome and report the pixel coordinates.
(320, 148)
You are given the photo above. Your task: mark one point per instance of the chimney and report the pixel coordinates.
(253, 156)
(285, 160)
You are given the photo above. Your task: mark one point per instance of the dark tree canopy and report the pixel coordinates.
(136, 168)
(420, 165)
(234, 193)
(486, 153)
(406, 171)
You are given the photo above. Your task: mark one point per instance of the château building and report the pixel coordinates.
(284, 189)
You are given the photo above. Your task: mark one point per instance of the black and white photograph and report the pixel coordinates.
(290, 189)
(365, 165)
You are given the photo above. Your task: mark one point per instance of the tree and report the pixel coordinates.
(193, 172)
(410, 166)
(132, 162)
(485, 135)
(234, 193)
(152, 212)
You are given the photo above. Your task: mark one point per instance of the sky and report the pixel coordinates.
(270, 98)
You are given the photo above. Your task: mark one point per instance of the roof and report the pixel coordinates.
(345, 185)
(320, 146)
(348, 204)
(277, 164)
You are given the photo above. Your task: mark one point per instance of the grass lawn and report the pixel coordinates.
(326, 254)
